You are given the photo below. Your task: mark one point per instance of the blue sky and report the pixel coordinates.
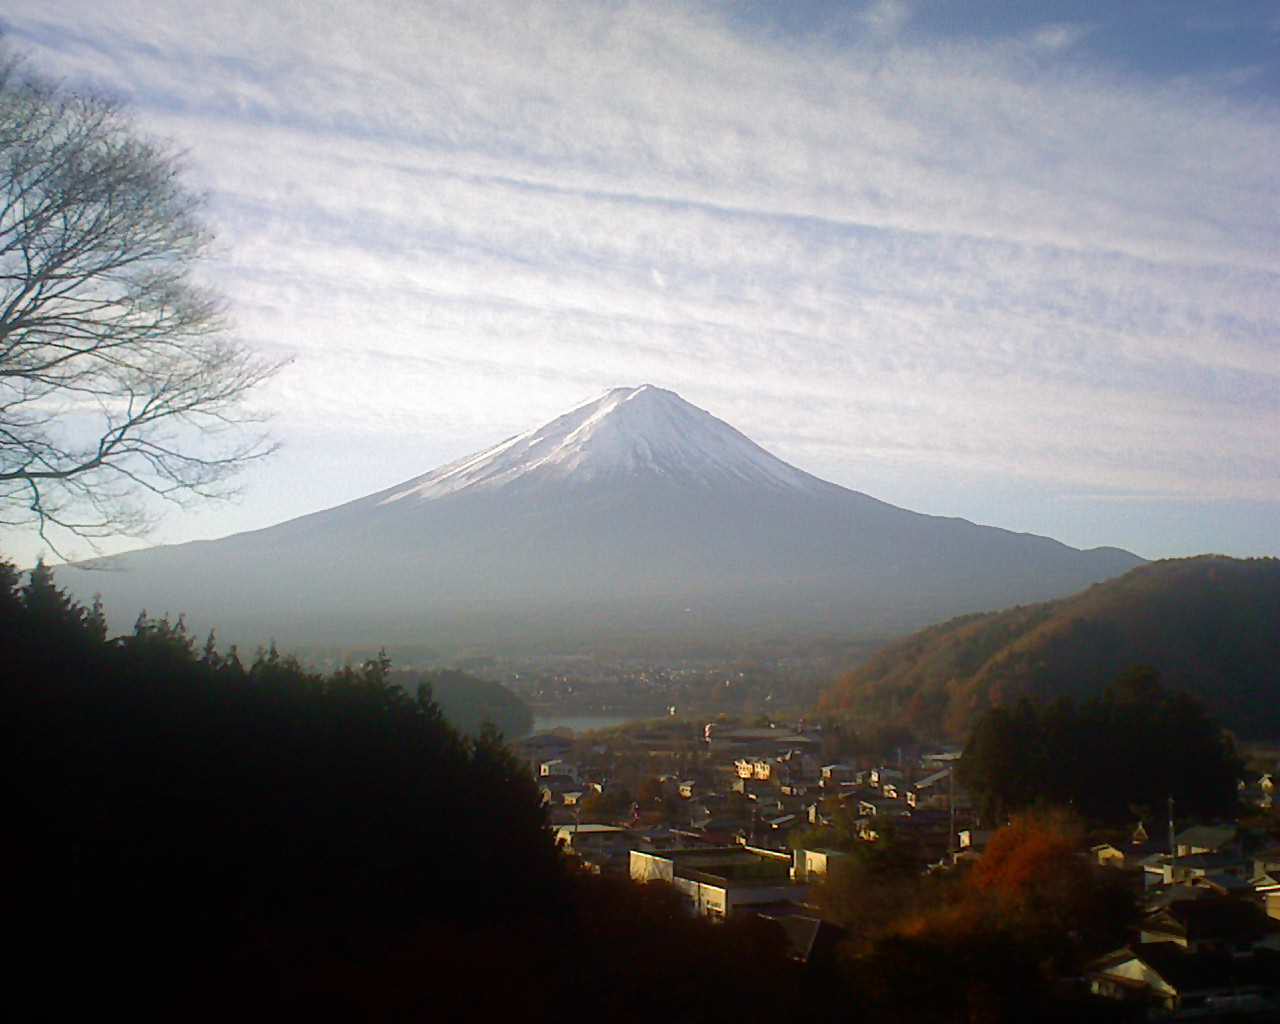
(1012, 262)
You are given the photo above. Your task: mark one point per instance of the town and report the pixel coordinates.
(758, 820)
(765, 680)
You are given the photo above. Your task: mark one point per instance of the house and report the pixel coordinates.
(753, 768)
(1204, 851)
(1268, 887)
(884, 774)
(544, 746)
(579, 837)
(1107, 855)
(811, 864)
(719, 831)
(1195, 889)
(831, 775)
(1210, 865)
(882, 808)
(554, 787)
(927, 832)
(719, 881)
(1200, 851)
(752, 789)
(974, 841)
(557, 766)
(1169, 980)
(1222, 925)
(1267, 861)
(1205, 839)
(934, 790)
(937, 760)
(1265, 880)
(800, 764)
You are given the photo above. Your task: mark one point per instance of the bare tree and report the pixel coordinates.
(117, 375)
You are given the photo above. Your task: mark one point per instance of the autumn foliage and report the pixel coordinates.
(989, 944)
(1030, 856)
(1206, 624)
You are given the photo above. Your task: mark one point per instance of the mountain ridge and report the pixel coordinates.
(636, 511)
(1208, 624)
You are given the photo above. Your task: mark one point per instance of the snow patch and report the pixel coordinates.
(624, 432)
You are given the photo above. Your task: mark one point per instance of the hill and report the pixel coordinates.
(468, 702)
(634, 515)
(1210, 625)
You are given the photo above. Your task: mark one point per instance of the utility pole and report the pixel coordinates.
(951, 807)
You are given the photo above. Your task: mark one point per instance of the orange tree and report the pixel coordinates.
(989, 945)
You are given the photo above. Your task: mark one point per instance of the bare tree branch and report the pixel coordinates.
(117, 377)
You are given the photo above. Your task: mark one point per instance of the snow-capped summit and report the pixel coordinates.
(633, 514)
(624, 432)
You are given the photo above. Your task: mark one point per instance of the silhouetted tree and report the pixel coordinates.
(205, 839)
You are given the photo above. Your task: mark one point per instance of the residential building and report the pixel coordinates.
(719, 881)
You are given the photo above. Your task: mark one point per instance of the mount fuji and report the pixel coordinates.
(636, 514)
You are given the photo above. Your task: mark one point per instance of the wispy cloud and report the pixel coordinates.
(463, 218)
(1060, 35)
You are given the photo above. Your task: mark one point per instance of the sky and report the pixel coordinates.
(1018, 263)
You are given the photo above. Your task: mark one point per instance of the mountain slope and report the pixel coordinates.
(1210, 625)
(634, 513)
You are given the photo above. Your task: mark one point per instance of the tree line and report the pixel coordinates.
(1117, 756)
(196, 832)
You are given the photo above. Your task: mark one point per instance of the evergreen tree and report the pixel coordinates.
(1136, 744)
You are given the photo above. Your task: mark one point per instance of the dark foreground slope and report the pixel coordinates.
(190, 838)
(1209, 625)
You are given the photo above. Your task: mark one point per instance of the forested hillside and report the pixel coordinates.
(1068, 754)
(1209, 625)
(195, 836)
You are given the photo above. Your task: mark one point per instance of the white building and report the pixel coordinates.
(717, 881)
